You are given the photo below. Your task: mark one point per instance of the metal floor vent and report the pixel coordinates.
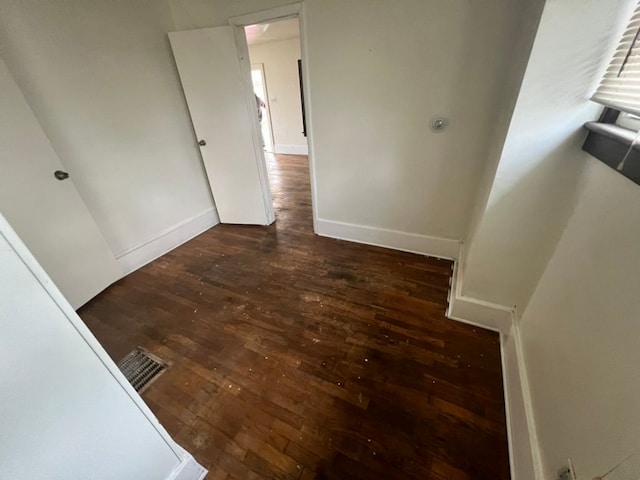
(141, 368)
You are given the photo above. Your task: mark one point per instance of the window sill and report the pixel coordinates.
(609, 143)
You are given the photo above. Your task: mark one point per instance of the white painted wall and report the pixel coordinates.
(534, 190)
(378, 72)
(101, 80)
(581, 333)
(65, 409)
(524, 34)
(280, 61)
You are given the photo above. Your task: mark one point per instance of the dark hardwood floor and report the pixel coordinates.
(296, 356)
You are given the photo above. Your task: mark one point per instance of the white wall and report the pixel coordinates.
(65, 409)
(379, 71)
(524, 33)
(280, 61)
(100, 78)
(581, 334)
(534, 190)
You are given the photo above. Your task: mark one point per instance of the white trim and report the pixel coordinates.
(284, 149)
(492, 316)
(188, 469)
(280, 13)
(524, 455)
(268, 15)
(146, 251)
(397, 240)
(256, 135)
(524, 392)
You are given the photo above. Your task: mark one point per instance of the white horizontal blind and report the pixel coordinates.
(620, 85)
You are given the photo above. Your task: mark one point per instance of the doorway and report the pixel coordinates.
(264, 117)
(274, 52)
(275, 56)
(228, 135)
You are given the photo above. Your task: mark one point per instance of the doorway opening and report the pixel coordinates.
(229, 135)
(264, 117)
(275, 57)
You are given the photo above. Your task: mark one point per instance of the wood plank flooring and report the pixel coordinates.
(297, 357)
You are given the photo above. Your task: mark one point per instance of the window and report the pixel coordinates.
(628, 120)
(620, 85)
(615, 138)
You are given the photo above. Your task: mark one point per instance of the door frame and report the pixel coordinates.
(260, 67)
(294, 10)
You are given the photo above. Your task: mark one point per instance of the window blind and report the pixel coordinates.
(620, 85)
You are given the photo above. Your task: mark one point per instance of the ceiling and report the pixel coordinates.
(271, 32)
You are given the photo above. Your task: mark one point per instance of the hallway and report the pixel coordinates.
(299, 356)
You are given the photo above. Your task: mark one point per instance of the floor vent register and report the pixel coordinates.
(141, 368)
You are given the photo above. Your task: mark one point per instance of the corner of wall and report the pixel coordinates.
(524, 458)
(509, 91)
(492, 316)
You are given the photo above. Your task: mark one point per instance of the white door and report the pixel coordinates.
(66, 411)
(48, 214)
(216, 79)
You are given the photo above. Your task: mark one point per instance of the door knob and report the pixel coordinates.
(202, 143)
(60, 175)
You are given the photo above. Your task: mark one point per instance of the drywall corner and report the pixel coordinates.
(492, 316)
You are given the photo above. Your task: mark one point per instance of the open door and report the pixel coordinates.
(66, 410)
(46, 210)
(216, 80)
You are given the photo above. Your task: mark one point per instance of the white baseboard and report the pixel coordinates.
(188, 469)
(291, 149)
(524, 457)
(142, 253)
(380, 237)
(492, 316)
(524, 454)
